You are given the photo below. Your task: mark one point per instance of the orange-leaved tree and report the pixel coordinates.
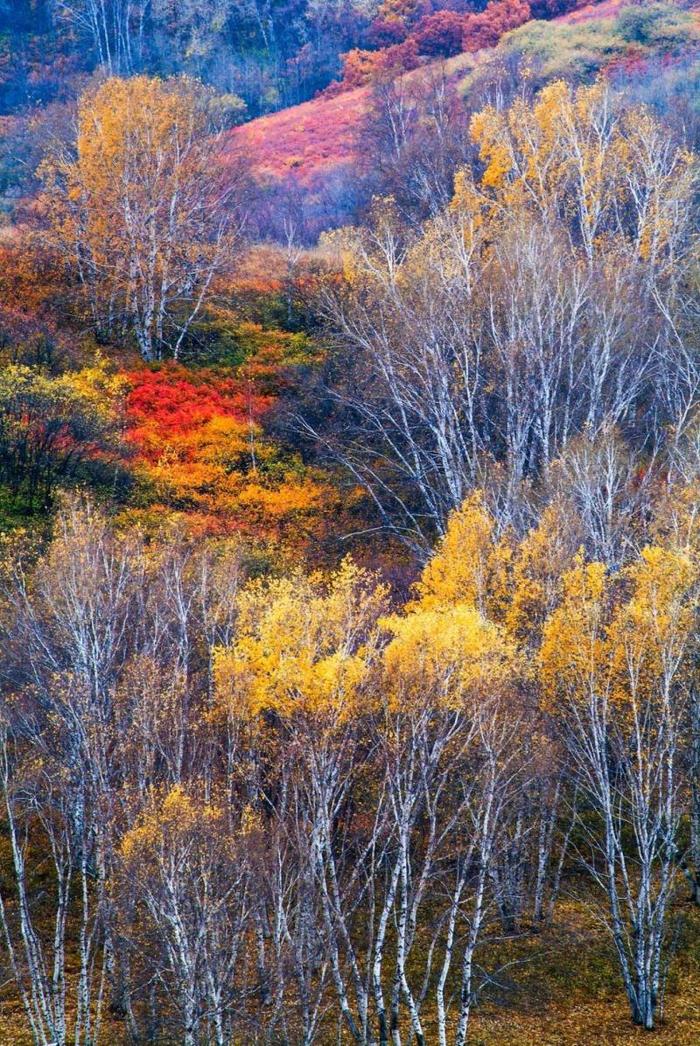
(140, 210)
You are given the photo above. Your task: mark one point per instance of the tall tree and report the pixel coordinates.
(141, 211)
(620, 681)
(551, 299)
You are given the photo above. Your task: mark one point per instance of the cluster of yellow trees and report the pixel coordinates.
(275, 804)
(295, 807)
(547, 307)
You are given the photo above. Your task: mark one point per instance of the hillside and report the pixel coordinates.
(349, 523)
(307, 141)
(310, 141)
(315, 151)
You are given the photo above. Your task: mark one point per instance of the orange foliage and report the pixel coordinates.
(204, 458)
(30, 278)
(366, 67)
(259, 273)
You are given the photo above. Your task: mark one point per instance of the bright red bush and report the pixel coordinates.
(165, 406)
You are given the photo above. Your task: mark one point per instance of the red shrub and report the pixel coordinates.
(168, 404)
(487, 28)
(393, 61)
(364, 67)
(440, 34)
(384, 32)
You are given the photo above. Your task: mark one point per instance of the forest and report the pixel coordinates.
(349, 522)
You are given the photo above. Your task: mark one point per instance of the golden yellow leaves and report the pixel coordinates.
(577, 154)
(459, 569)
(486, 131)
(130, 133)
(442, 657)
(450, 645)
(535, 582)
(99, 385)
(627, 636)
(490, 614)
(305, 645)
(173, 817)
(531, 151)
(321, 649)
(138, 211)
(651, 631)
(512, 583)
(573, 642)
(134, 121)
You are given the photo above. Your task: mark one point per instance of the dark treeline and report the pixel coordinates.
(270, 54)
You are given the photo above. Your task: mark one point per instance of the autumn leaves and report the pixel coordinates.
(141, 212)
(514, 656)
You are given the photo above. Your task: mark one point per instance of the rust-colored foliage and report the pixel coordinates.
(367, 67)
(487, 28)
(440, 34)
(30, 277)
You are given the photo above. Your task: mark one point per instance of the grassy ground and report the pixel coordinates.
(562, 989)
(570, 994)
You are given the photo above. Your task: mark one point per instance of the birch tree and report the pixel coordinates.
(454, 764)
(141, 210)
(621, 679)
(115, 28)
(187, 862)
(548, 302)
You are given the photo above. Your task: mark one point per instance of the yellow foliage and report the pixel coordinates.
(677, 517)
(541, 559)
(575, 154)
(650, 632)
(176, 816)
(458, 571)
(514, 584)
(98, 385)
(132, 211)
(630, 647)
(304, 645)
(444, 655)
(573, 641)
(280, 501)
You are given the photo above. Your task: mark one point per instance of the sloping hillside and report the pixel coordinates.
(312, 147)
(310, 140)
(305, 141)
